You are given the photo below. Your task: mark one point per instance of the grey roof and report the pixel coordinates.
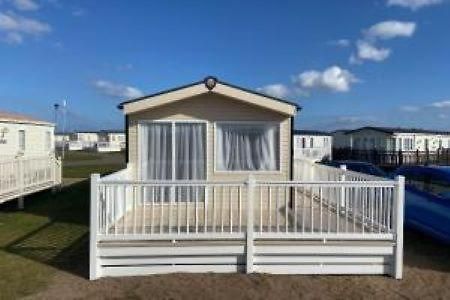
(120, 106)
(392, 130)
(112, 131)
(311, 132)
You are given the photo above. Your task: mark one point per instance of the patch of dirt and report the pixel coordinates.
(426, 276)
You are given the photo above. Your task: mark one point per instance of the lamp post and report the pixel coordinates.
(64, 123)
(56, 107)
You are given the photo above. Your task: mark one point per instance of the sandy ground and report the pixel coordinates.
(426, 276)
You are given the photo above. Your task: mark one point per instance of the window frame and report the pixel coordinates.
(173, 122)
(408, 144)
(216, 171)
(24, 147)
(48, 141)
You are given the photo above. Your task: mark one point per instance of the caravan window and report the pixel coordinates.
(408, 144)
(48, 140)
(22, 140)
(247, 147)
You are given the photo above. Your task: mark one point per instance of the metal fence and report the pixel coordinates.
(395, 158)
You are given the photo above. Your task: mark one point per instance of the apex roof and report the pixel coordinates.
(209, 85)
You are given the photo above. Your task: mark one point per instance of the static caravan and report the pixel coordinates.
(211, 186)
(396, 139)
(27, 156)
(111, 141)
(312, 145)
(83, 140)
(23, 136)
(76, 146)
(62, 139)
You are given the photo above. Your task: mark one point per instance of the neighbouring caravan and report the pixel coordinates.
(392, 139)
(312, 145)
(62, 139)
(27, 156)
(391, 146)
(84, 139)
(111, 141)
(23, 136)
(76, 146)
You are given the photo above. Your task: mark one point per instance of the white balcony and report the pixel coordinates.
(26, 175)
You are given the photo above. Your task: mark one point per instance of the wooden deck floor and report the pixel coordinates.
(307, 216)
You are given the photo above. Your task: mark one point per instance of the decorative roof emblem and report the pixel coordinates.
(210, 82)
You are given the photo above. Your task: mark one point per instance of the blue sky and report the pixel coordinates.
(348, 63)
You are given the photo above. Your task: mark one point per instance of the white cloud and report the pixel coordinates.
(25, 5)
(413, 4)
(343, 43)
(441, 104)
(367, 51)
(13, 38)
(333, 78)
(15, 27)
(410, 108)
(117, 90)
(276, 90)
(391, 29)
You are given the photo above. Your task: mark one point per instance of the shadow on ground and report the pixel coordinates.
(62, 241)
(423, 252)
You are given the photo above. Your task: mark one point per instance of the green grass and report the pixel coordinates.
(88, 155)
(50, 234)
(86, 171)
(80, 155)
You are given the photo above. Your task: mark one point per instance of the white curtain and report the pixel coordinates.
(247, 147)
(190, 152)
(157, 150)
(157, 162)
(190, 159)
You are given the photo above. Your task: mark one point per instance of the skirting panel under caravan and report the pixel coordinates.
(132, 258)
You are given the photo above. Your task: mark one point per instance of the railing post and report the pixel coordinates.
(250, 238)
(398, 214)
(93, 228)
(342, 178)
(21, 174)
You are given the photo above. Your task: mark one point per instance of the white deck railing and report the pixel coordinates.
(134, 209)
(321, 203)
(315, 154)
(25, 175)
